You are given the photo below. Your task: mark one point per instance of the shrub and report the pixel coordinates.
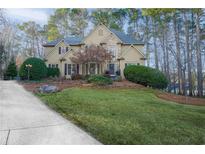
(11, 71)
(37, 71)
(118, 79)
(99, 80)
(76, 77)
(53, 72)
(86, 77)
(146, 76)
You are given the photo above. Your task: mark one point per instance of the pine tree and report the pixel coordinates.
(11, 70)
(2, 59)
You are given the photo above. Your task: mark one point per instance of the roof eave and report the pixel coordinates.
(46, 45)
(76, 44)
(133, 43)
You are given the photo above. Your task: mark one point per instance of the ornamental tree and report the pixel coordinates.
(93, 53)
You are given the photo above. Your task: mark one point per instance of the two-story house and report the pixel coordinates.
(125, 50)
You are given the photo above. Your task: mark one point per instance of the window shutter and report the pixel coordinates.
(59, 50)
(78, 67)
(65, 69)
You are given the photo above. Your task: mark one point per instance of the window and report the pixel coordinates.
(59, 50)
(73, 68)
(65, 69)
(56, 65)
(112, 49)
(69, 69)
(53, 65)
(49, 65)
(63, 50)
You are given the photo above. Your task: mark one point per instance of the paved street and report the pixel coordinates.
(24, 119)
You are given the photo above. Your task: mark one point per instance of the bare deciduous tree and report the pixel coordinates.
(92, 53)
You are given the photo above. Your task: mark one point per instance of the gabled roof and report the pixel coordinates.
(126, 39)
(67, 40)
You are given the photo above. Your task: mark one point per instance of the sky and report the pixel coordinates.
(40, 16)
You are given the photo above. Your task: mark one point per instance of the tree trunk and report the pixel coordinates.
(164, 52)
(155, 45)
(188, 51)
(167, 53)
(198, 57)
(178, 54)
(147, 40)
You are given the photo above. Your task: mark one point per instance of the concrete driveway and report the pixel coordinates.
(24, 119)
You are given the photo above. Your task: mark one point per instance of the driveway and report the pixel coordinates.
(24, 119)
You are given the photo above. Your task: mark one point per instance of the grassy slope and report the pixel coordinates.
(130, 116)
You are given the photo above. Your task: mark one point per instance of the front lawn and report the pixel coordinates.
(129, 116)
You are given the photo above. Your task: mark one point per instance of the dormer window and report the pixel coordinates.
(59, 50)
(100, 32)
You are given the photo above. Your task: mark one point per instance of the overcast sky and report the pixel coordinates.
(40, 16)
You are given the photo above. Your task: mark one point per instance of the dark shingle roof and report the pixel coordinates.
(73, 40)
(126, 39)
(67, 40)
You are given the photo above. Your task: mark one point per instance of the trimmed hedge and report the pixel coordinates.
(99, 80)
(53, 72)
(37, 71)
(146, 76)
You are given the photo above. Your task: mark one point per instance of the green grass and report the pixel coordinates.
(130, 116)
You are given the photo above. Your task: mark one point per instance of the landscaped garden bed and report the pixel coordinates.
(180, 98)
(63, 84)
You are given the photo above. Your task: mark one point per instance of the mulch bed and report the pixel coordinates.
(181, 99)
(63, 84)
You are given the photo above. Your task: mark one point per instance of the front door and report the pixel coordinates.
(112, 68)
(92, 68)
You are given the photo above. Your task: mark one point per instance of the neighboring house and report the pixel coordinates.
(125, 50)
